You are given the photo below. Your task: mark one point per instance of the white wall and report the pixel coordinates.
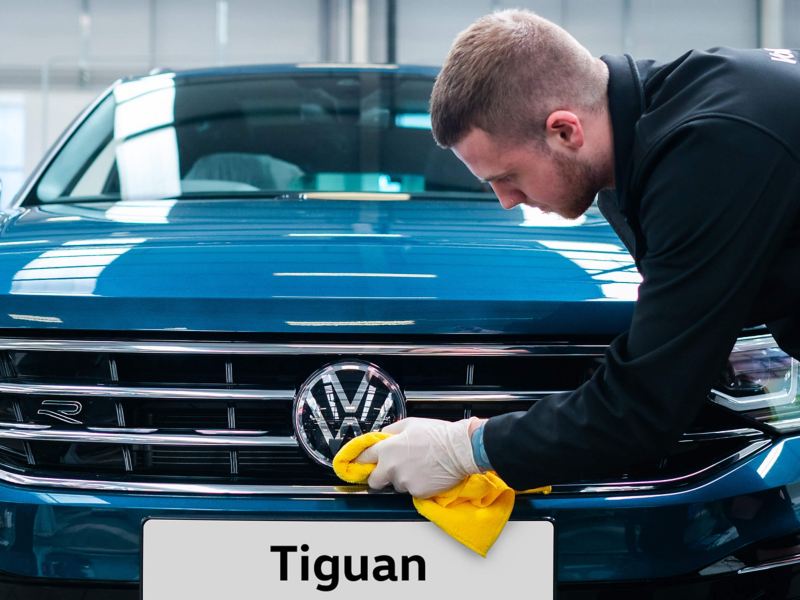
(664, 30)
(658, 29)
(126, 37)
(33, 32)
(12, 134)
(35, 128)
(791, 24)
(258, 31)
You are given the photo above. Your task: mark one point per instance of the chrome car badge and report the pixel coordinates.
(339, 402)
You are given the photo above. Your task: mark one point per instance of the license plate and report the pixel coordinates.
(397, 560)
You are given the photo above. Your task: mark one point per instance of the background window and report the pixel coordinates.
(12, 142)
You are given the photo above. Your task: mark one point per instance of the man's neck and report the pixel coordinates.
(605, 133)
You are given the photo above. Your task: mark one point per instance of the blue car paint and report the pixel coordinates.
(83, 535)
(299, 266)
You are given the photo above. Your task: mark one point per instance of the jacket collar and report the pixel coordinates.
(625, 104)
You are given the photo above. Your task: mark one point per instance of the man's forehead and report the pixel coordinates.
(475, 140)
(483, 155)
(476, 147)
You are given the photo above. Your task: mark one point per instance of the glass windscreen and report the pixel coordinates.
(271, 134)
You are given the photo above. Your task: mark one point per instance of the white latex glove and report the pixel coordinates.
(423, 457)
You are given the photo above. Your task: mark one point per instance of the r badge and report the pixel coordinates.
(341, 401)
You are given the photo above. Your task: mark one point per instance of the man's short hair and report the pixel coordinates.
(506, 73)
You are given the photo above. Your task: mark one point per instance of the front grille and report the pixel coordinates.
(182, 412)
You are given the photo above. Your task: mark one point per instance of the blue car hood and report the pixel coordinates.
(313, 266)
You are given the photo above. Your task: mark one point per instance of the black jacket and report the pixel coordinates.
(707, 169)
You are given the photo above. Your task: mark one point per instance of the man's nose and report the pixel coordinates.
(508, 196)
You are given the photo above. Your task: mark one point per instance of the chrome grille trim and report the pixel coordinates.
(174, 393)
(179, 488)
(166, 347)
(24, 426)
(723, 434)
(656, 485)
(119, 429)
(151, 439)
(170, 393)
(337, 490)
(475, 396)
(767, 566)
(222, 437)
(243, 432)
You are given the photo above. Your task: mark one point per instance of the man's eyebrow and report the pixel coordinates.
(492, 178)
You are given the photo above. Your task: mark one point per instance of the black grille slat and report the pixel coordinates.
(14, 454)
(154, 369)
(177, 414)
(74, 366)
(74, 458)
(274, 418)
(10, 411)
(449, 411)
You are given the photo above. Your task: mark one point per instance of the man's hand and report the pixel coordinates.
(423, 457)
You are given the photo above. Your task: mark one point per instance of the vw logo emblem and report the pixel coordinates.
(339, 402)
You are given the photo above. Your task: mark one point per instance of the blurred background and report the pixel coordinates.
(57, 55)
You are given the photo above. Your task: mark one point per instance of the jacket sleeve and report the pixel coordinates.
(714, 206)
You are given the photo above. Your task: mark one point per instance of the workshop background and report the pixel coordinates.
(57, 55)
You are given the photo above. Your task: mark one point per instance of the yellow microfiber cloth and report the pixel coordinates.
(474, 512)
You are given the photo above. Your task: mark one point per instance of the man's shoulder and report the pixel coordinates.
(747, 87)
(722, 73)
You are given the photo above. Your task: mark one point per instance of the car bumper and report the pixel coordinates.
(702, 536)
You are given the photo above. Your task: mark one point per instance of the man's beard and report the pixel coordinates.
(582, 180)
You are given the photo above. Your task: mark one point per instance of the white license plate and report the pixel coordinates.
(243, 560)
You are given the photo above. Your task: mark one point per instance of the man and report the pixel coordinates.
(697, 163)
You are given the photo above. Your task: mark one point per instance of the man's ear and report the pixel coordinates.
(564, 129)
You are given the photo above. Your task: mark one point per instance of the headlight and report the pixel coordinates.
(761, 381)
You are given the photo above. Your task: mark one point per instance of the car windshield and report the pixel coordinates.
(276, 133)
